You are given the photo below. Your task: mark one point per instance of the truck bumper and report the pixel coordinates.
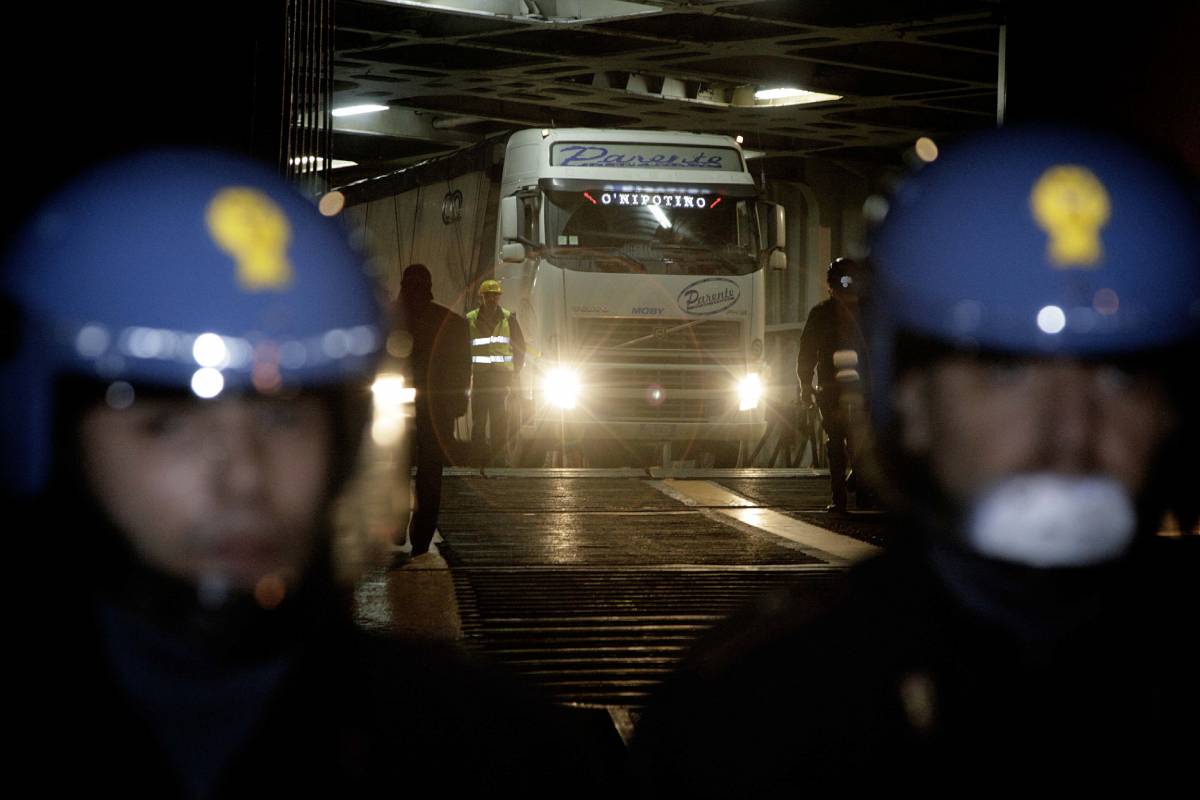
(573, 428)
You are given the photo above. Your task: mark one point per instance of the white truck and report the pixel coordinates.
(634, 260)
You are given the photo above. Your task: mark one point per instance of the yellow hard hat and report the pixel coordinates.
(490, 287)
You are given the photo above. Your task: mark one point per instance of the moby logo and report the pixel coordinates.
(709, 296)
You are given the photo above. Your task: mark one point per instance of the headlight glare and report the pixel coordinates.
(750, 392)
(561, 387)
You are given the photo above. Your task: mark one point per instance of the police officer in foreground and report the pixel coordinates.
(183, 392)
(833, 331)
(497, 355)
(1033, 326)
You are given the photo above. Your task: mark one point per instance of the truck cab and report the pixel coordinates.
(634, 261)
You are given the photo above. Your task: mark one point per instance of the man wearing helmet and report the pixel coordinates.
(497, 355)
(1032, 324)
(183, 394)
(833, 329)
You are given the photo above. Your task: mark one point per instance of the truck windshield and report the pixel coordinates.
(677, 234)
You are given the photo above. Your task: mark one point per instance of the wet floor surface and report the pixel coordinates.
(593, 586)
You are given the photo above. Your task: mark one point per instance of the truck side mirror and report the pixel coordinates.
(776, 239)
(776, 227)
(512, 253)
(511, 211)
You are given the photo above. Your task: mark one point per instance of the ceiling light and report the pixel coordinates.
(789, 95)
(780, 93)
(926, 149)
(350, 111)
(331, 203)
(316, 162)
(539, 12)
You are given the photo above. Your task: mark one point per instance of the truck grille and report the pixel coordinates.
(603, 377)
(657, 393)
(665, 388)
(592, 335)
(683, 409)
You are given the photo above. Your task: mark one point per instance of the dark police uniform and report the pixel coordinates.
(896, 678)
(831, 327)
(325, 710)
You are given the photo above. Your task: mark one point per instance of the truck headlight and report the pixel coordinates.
(561, 387)
(750, 392)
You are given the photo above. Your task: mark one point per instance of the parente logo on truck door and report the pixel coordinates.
(709, 296)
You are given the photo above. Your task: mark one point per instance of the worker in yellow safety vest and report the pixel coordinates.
(497, 355)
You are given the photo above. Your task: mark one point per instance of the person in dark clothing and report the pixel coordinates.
(183, 396)
(440, 370)
(497, 355)
(1032, 320)
(833, 331)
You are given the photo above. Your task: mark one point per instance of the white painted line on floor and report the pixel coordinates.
(702, 493)
(834, 548)
(623, 721)
(844, 549)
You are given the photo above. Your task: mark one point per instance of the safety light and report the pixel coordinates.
(750, 392)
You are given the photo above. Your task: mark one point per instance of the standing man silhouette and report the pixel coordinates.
(440, 370)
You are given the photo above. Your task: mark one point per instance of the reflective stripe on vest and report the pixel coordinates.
(493, 348)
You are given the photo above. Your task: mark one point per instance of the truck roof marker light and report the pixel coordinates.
(592, 199)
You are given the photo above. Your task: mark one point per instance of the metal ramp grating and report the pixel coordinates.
(604, 637)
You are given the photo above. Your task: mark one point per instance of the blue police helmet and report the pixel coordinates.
(194, 270)
(1038, 240)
